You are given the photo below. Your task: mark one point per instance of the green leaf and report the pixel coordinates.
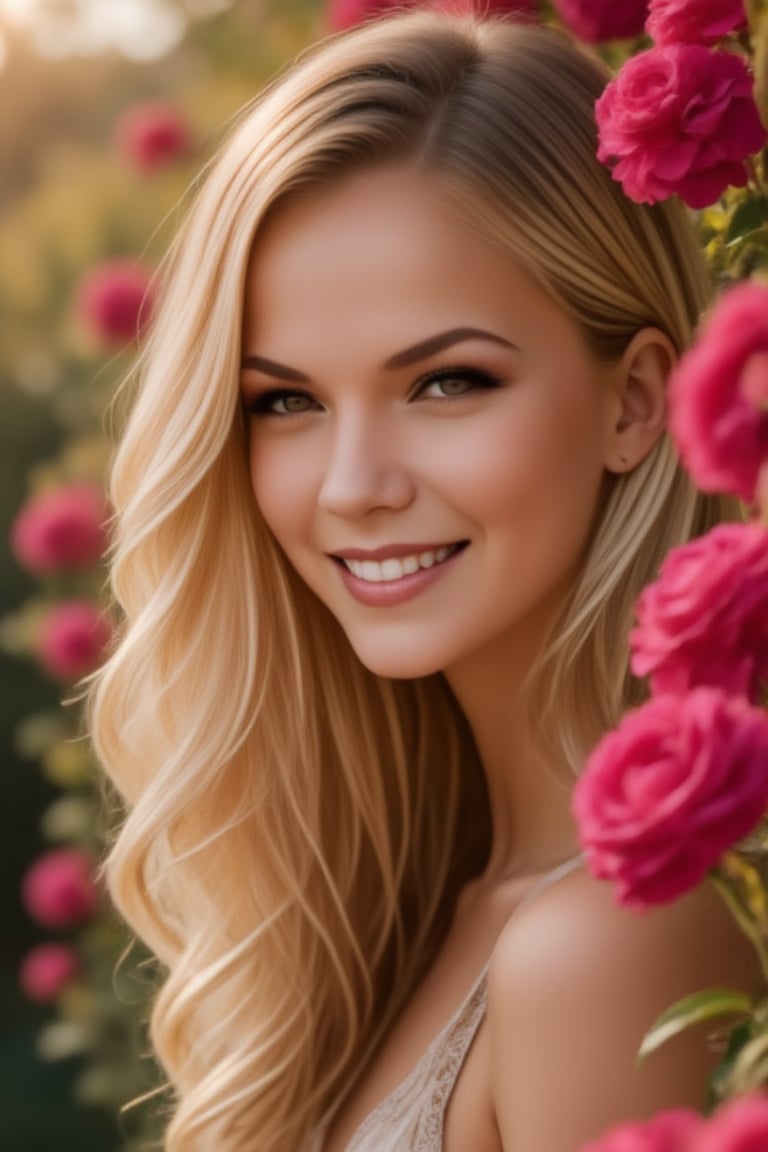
(750, 1066)
(750, 215)
(692, 1010)
(719, 1081)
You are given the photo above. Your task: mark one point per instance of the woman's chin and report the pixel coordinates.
(396, 663)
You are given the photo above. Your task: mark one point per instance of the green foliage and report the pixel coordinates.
(694, 1009)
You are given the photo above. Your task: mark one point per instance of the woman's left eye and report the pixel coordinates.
(447, 383)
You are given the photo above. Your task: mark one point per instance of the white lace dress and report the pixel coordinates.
(411, 1118)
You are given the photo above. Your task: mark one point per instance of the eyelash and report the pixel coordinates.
(260, 405)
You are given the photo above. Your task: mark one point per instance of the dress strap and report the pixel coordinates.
(551, 878)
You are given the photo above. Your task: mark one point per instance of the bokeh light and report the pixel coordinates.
(140, 30)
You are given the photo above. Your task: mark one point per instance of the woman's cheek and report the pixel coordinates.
(281, 479)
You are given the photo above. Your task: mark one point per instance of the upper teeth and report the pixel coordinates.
(395, 568)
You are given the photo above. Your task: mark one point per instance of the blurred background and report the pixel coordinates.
(107, 110)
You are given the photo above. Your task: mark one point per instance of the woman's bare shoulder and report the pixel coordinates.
(574, 984)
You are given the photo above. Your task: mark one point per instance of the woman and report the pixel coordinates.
(395, 473)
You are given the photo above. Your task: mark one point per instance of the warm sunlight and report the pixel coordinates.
(139, 29)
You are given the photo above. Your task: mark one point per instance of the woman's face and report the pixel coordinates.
(427, 428)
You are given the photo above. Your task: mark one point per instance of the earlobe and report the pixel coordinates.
(640, 399)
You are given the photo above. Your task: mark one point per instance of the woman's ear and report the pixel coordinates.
(639, 411)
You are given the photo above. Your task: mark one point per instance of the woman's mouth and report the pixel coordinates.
(396, 578)
(396, 567)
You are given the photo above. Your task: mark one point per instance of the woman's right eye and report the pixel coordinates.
(280, 402)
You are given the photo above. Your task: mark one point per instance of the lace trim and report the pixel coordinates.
(411, 1117)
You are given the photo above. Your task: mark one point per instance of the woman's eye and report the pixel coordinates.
(450, 382)
(280, 403)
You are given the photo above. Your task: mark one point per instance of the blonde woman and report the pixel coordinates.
(395, 472)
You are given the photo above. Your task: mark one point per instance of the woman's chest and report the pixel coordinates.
(429, 1084)
(442, 1104)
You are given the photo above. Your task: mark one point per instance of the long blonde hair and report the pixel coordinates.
(291, 849)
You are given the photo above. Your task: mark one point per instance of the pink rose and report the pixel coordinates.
(152, 136)
(343, 14)
(58, 890)
(47, 970)
(704, 620)
(754, 381)
(63, 528)
(717, 395)
(73, 638)
(484, 7)
(114, 300)
(679, 781)
(761, 493)
(672, 1131)
(599, 20)
(694, 21)
(679, 120)
(740, 1126)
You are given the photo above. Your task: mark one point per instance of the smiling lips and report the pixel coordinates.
(397, 573)
(396, 567)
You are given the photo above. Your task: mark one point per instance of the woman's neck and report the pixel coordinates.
(532, 825)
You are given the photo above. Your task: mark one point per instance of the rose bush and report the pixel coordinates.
(680, 780)
(47, 970)
(58, 889)
(61, 529)
(705, 619)
(717, 392)
(679, 120)
(73, 638)
(598, 20)
(152, 135)
(694, 21)
(114, 300)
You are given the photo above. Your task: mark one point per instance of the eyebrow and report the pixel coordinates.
(420, 351)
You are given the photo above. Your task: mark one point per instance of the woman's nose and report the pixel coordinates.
(365, 468)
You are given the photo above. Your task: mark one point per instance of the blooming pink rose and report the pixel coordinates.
(115, 301)
(484, 7)
(73, 638)
(740, 1126)
(58, 890)
(47, 970)
(704, 620)
(679, 781)
(679, 120)
(718, 391)
(343, 14)
(152, 136)
(599, 20)
(754, 381)
(63, 528)
(694, 21)
(761, 492)
(671, 1131)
